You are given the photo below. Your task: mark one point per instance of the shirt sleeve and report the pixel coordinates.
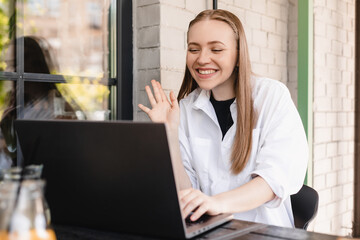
(283, 151)
(185, 149)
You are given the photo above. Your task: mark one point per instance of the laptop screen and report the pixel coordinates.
(114, 175)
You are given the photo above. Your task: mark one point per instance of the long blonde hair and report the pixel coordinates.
(241, 148)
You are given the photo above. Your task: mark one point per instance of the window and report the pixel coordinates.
(63, 60)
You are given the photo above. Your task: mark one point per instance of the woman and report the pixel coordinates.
(242, 147)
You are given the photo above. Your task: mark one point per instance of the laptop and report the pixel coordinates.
(114, 176)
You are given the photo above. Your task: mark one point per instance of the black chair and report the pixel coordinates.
(304, 206)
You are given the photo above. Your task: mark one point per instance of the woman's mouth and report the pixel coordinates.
(206, 73)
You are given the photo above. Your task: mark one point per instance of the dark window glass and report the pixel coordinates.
(7, 115)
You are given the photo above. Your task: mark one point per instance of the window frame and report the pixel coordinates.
(120, 84)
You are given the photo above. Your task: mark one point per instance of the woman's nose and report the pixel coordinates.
(204, 58)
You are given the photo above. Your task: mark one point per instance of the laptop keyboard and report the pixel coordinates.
(202, 219)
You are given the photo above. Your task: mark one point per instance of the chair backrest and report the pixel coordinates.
(304, 206)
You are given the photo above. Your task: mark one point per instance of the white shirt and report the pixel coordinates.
(279, 149)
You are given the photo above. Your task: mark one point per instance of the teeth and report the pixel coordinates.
(206, 71)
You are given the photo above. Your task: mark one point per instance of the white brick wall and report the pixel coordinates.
(271, 27)
(333, 114)
(161, 40)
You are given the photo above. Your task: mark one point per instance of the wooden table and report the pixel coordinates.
(263, 232)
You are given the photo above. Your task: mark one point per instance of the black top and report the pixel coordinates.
(223, 114)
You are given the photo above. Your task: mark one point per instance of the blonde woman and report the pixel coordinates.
(237, 141)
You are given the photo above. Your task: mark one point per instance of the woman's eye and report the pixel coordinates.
(216, 50)
(193, 50)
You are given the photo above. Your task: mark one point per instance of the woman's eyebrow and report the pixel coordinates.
(212, 42)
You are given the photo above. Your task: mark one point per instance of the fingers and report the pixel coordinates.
(157, 92)
(145, 109)
(173, 100)
(192, 201)
(150, 96)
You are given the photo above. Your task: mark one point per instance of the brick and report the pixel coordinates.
(268, 24)
(350, 65)
(259, 38)
(321, 44)
(337, 134)
(259, 6)
(351, 146)
(337, 104)
(348, 160)
(293, 44)
(319, 28)
(148, 16)
(176, 3)
(292, 59)
(348, 50)
(273, 10)
(337, 163)
(275, 72)
(319, 119)
(293, 29)
(254, 53)
(239, 12)
(332, 4)
(172, 38)
(146, 2)
(173, 59)
(347, 104)
(319, 59)
(253, 20)
(259, 68)
(149, 37)
(336, 193)
(348, 190)
(325, 197)
(335, 75)
(348, 133)
(331, 90)
(144, 77)
(195, 6)
(322, 166)
(346, 77)
(181, 21)
(336, 47)
(350, 172)
(267, 56)
(331, 61)
(150, 58)
(292, 75)
(274, 41)
(322, 104)
(331, 149)
(331, 119)
(331, 179)
(319, 89)
(281, 27)
(242, 4)
(319, 182)
(343, 148)
(171, 80)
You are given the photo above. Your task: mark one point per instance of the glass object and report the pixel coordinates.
(75, 33)
(7, 31)
(28, 220)
(7, 133)
(8, 192)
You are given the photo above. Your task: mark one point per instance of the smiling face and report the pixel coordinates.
(212, 57)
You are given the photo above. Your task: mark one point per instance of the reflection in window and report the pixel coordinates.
(68, 26)
(7, 114)
(7, 30)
